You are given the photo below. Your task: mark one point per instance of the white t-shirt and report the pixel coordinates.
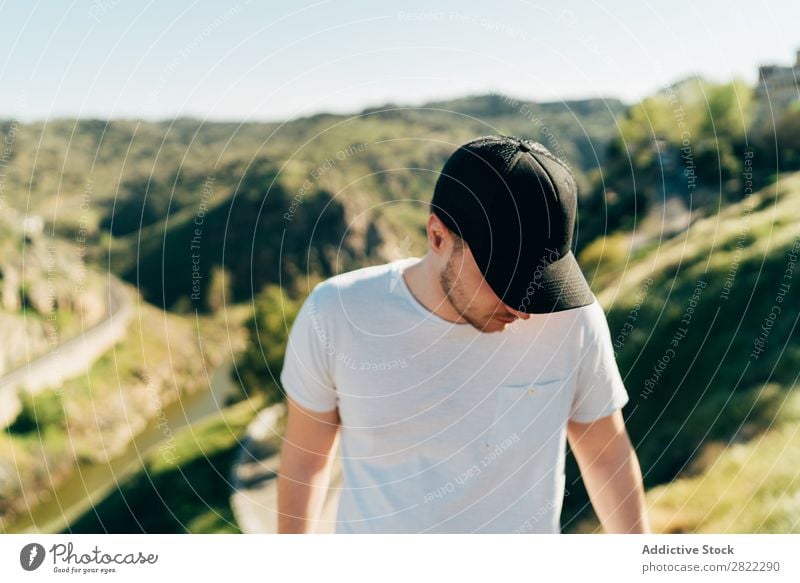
(445, 428)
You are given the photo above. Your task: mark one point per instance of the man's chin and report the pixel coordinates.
(487, 325)
(494, 325)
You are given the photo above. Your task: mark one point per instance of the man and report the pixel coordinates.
(454, 381)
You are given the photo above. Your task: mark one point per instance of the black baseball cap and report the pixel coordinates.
(514, 204)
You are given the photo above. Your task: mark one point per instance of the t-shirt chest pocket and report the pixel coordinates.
(529, 412)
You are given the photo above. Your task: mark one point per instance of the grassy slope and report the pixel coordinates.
(751, 487)
(712, 392)
(747, 486)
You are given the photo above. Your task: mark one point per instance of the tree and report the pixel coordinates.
(260, 365)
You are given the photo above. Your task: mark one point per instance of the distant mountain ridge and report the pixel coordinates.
(355, 186)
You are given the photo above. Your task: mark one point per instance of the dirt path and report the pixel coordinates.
(254, 479)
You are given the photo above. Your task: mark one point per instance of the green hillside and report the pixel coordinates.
(705, 329)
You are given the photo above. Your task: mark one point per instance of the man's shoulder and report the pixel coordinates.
(594, 313)
(361, 285)
(593, 323)
(584, 322)
(587, 315)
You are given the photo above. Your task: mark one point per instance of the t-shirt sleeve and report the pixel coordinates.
(600, 389)
(307, 374)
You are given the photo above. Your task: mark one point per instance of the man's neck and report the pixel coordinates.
(422, 279)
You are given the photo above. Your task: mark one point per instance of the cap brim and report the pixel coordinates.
(550, 287)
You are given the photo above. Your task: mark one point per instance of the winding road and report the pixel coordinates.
(70, 358)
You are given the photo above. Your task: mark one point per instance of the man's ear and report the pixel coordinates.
(437, 235)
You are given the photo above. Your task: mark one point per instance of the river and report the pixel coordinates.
(88, 484)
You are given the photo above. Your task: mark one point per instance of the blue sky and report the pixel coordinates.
(273, 60)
